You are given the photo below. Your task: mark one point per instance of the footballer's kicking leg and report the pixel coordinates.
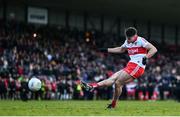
(108, 82)
(111, 80)
(123, 79)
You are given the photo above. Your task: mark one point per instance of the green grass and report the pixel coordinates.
(62, 108)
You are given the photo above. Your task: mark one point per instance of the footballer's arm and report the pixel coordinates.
(117, 50)
(151, 50)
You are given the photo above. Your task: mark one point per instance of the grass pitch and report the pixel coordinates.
(91, 108)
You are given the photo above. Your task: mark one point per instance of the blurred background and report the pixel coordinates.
(56, 41)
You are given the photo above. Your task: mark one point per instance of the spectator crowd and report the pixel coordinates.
(60, 57)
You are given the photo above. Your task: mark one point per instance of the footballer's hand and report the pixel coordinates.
(144, 60)
(105, 50)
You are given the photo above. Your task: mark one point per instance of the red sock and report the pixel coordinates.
(113, 103)
(94, 85)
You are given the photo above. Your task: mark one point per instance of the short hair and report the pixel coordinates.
(131, 31)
